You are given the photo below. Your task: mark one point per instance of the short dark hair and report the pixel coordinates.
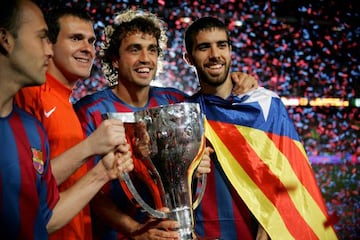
(199, 25)
(9, 18)
(52, 19)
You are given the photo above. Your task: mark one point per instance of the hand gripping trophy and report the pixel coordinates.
(167, 144)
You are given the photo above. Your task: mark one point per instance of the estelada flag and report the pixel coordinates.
(261, 154)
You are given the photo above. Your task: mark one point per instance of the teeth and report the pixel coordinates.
(215, 66)
(143, 70)
(82, 60)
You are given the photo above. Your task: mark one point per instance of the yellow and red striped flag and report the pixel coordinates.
(260, 152)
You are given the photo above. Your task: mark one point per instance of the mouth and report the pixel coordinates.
(143, 70)
(46, 64)
(215, 68)
(82, 60)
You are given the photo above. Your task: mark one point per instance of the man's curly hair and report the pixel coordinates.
(125, 24)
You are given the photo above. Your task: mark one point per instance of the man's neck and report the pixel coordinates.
(223, 90)
(54, 71)
(9, 86)
(132, 95)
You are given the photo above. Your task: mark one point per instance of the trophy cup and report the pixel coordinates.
(167, 144)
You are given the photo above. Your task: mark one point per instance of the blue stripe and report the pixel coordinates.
(10, 179)
(34, 135)
(224, 199)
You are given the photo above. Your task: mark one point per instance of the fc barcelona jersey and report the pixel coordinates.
(28, 190)
(91, 111)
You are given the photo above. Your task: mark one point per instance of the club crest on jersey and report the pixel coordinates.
(38, 162)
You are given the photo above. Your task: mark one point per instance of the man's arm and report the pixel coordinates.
(106, 210)
(75, 198)
(104, 139)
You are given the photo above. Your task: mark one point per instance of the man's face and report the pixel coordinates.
(74, 50)
(211, 56)
(137, 63)
(32, 50)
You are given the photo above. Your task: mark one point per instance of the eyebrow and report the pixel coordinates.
(82, 36)
(138, 45)
(203, 44)
(43, 31)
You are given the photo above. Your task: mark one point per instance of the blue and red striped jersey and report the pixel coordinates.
(28, 189)
(91, 110)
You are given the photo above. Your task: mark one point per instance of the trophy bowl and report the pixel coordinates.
(167, 144)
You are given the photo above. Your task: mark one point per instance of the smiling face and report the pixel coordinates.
(74, 50)
(137, 63)
(211, 56)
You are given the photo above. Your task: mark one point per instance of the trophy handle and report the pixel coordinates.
(203, 177)
(142, 203)
(129, 117)
(158, 214)
(200, 196)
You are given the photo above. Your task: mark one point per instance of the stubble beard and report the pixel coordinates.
(213, 81)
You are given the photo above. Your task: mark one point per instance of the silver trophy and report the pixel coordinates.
(167, 144)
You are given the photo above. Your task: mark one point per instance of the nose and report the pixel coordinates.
(214, 51)
(48, 49)
(144, 56)
(88, 47)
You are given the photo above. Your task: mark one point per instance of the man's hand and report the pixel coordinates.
(243, 83)
(204, 165)
(109, 135)
(118, 162)
(157, 229)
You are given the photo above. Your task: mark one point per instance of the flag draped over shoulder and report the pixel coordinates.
(260, 152)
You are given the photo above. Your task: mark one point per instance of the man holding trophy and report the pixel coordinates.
(130, 60)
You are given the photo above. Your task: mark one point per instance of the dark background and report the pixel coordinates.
(306, 51)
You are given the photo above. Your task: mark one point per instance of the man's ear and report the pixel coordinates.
(5, 41)
(115, 64)
(188, 59)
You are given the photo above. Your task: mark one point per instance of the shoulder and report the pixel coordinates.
(27, 120)
(169, 91)
(262, 92)
(25, 116)
(260, 95)
(27, 93)
(92, 98)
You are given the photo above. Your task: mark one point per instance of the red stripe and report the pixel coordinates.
(244, 223)
(269, 184)
(301, 167)
(53, 194)
(27, 216)
(210, 228)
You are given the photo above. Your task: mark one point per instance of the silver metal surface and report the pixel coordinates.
(167, 141)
